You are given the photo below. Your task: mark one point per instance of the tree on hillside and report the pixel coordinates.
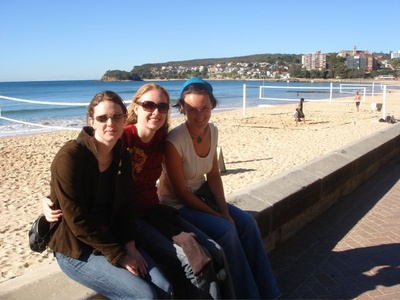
(295, 71)
(120, 75)
(395, 63)
(335, 65)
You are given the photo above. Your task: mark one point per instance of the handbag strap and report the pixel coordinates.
(52, 229)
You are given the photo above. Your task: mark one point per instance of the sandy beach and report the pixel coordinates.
(257, 146)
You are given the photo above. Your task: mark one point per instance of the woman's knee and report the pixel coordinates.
(242, 218)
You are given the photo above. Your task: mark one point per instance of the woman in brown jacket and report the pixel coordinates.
(91, 183)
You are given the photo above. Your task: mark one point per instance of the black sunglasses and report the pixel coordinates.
(116, 118)
(151, 106)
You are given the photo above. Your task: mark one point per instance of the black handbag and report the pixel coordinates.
(41, 230)
(40, 233)
(205, 195)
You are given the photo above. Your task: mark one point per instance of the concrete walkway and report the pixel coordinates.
(352, 251)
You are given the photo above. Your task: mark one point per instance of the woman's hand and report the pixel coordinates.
(50, 214)
(133, 261)
(228, 218)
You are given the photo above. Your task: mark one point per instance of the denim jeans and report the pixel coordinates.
(250, 269)
(173, 261)
(113, 282)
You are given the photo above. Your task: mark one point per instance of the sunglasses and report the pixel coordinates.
(116, 118)
(151, 106)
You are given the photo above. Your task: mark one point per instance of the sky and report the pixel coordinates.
(82, 39)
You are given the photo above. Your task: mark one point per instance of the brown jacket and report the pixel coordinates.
(74, 182)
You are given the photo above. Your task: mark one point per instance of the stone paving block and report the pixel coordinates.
(359, 239)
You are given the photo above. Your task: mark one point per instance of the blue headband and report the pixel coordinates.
(196, 80)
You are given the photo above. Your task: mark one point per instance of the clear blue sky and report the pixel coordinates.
(82, 39)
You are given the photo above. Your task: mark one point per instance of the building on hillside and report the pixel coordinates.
(395, 54)
(353, 52)
(378, 55)
(362, 61)
(314, 61)
(359, 59)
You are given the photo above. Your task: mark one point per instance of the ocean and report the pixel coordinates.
(17, 118)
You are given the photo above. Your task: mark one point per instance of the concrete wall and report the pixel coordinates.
(283, 204)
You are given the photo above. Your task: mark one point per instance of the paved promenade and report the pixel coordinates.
(352, 251)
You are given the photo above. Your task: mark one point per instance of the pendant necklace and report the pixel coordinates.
(199, 138)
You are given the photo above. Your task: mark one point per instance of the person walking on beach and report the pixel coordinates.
(91, 183)
(298, 113)
(190, 159)
(357, 99)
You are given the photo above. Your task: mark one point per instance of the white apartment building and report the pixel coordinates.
(395, 54)
(314, 61)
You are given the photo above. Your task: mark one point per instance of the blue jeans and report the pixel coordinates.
(113, 282)
(250, 269)
(173, 261)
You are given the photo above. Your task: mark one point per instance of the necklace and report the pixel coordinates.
(104, 164)
(97, 156)
(199, 138)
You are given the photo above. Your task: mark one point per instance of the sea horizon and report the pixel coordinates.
(61, 104)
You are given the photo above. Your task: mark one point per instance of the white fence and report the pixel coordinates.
(43, 103)
(376, 89)
(344, 88)
(39, 103)
(330, 89)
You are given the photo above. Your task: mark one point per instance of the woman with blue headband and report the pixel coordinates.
(190, 161)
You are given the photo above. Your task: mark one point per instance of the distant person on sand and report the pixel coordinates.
(298, 113)
(357, 99)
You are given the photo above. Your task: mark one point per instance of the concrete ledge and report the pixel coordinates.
(282, 205)
(45, 282)
(285, 203)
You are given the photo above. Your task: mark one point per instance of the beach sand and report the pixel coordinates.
(257, 146)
